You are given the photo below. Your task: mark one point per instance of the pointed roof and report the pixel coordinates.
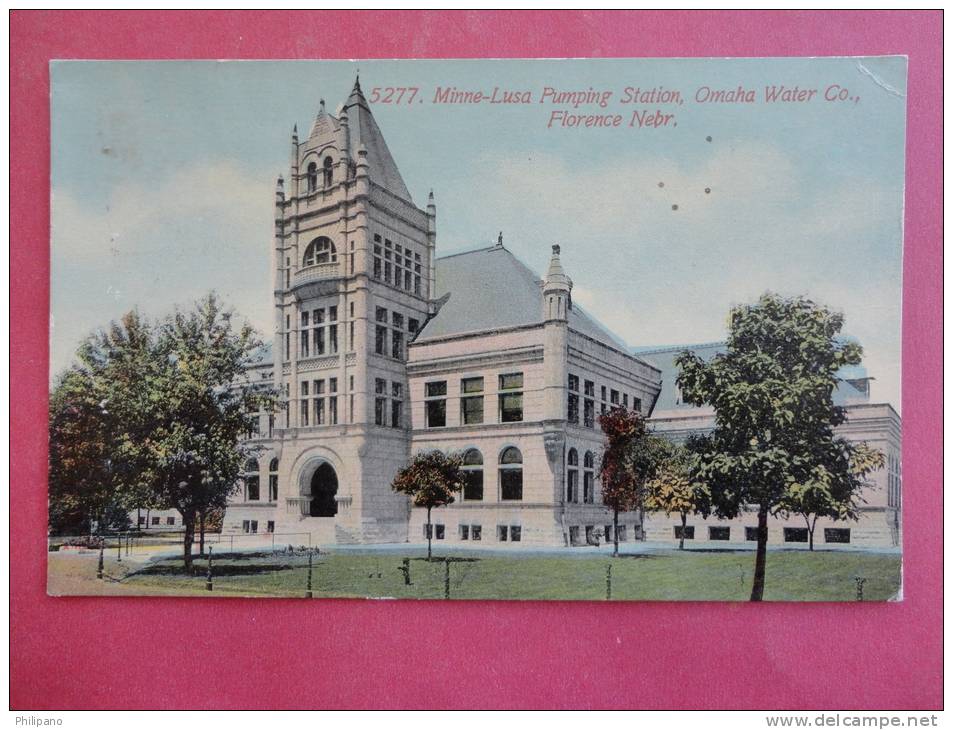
(492, 289)
(364, 130)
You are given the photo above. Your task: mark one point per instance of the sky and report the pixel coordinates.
(163, 177)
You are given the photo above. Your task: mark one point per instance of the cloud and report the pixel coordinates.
(659, 276)
(158, 243)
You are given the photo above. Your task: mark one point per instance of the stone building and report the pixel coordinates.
(382, 350)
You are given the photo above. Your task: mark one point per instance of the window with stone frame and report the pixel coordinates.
(435, 404)
(305, 410)
(273, 481)
(511, 397)
(572, 410)
(472, 468)
(589, 405)
(572, 476)
(378, 263)
(511, 474)
(471, 400)
(320, 251)
(332, 401)
(588, 478)
(251, 481)
(397, 336)
(380, 337)
(380, 402)
(396, 405)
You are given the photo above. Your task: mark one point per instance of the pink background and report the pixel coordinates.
(86, 653)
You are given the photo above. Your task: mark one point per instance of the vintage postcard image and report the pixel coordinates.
(617, 329)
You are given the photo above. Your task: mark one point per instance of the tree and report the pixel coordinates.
(772, 392)
(204, 400)
(432, 479)
(96, 416)
(629, 459)
(676, 489)
(833, 493)
(153, 414)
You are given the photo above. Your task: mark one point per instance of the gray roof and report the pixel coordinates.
(664, 359)
(364, 130)
(491, 289)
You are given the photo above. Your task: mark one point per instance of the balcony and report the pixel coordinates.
(317, 280)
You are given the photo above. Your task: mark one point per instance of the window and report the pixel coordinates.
(574, 535)
(251, 480)
(476, 532)
(171, 521)
(271, 526)
(511, 474)
(625, 400)
(588, 478)
(471, 404)
(795, 534)
(464, 532)
(751, 534)
(623, 533)
(378, 261)
(273, 481)
(439, 532)
(305, 409)
(615, 397)
(607, 532)
(501, 532)
(572, 476)
(436, 404)
(511, 397)
(142, 520)
(155, 520)
(589, 413)
(328, 172)
(572, 409)
(380, 402)
(312, 177)
(473, 475)
(636, 404)
(320, 251)
(332, 401)
(837, 534)
(689, 532)
(380, 339)
(250, 526)
(396, 404)
(516, 533)
(719, 533)
(397, 343)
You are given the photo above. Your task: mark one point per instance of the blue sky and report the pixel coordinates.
(163, 180)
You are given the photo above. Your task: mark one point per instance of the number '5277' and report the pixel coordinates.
(393, 94)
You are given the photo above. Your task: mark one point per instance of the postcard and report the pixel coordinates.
(618, 329)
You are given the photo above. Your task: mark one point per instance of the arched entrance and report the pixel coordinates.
(324, 485)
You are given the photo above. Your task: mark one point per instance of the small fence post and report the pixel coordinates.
(99, 570)
(860, 587)
(119, 548)
(208, 573)
(128, 541)
(609, 582)
(405, 569)
(446, 578)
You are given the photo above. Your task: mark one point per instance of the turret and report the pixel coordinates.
(557, 291)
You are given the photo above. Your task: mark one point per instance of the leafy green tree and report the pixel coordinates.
(163, 408)
(204, 399)
(96, 415)
(431, 479)
(630, 457)
(675, 488)
(835, 494)
(772, 392)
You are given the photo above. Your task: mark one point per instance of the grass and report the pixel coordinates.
(697, 575)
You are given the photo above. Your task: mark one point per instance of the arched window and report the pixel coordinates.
(273, 481)
(588, 478)
(312, 177)
(251, 481)
(320, 251)
(572, 476)
(328, 172)
(511, 474)
(473, 472)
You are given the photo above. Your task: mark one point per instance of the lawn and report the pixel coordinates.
(701, 575)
